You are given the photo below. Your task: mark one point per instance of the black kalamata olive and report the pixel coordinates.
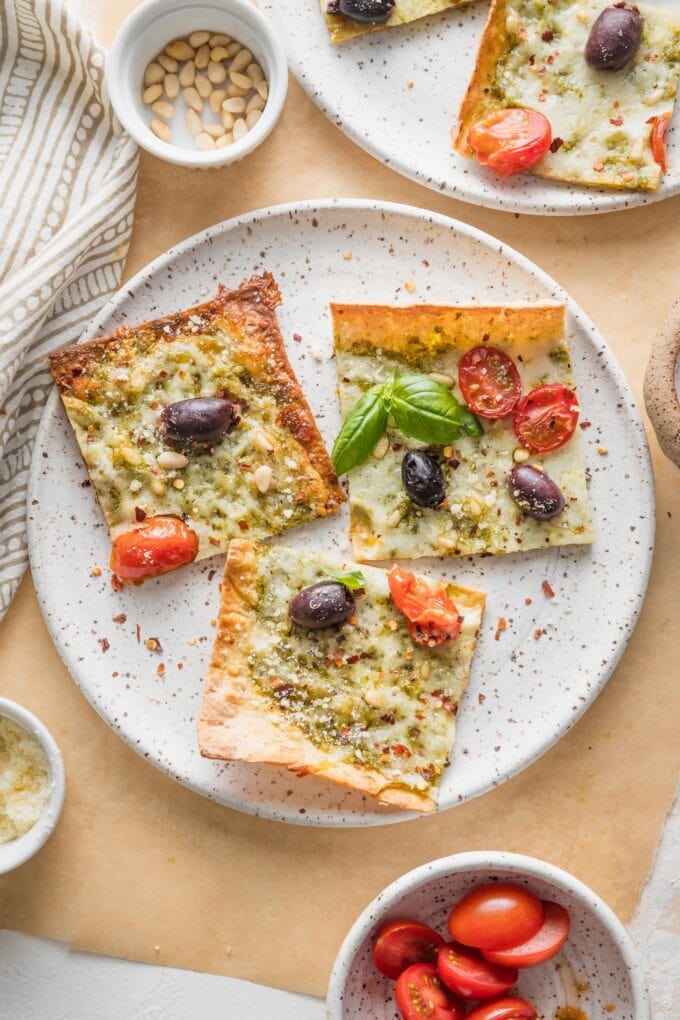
(422, 477)
(325, 604)
(198, 419)
(366, 12)
(614, 38)
(535, 492)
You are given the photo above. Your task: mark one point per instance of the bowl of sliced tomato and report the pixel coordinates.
(487, 936)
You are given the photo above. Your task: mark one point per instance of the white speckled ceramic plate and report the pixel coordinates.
(362, 87)
(596, 970)
(533, 690)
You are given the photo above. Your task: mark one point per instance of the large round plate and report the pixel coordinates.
(534, 690)
(362, 87)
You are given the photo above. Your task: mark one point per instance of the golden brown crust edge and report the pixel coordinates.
(479, 100)
(235, 722)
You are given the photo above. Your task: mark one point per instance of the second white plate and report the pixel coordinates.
(524, 692)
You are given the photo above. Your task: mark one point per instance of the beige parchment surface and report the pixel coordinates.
(142, 868)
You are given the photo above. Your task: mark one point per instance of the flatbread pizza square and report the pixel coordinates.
(362, 705)
(532, 55)
(269, 471)
(342, 28)
(372, 343)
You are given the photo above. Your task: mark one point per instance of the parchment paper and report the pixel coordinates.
(141, 867)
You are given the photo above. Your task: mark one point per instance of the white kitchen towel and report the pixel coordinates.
(67, 186)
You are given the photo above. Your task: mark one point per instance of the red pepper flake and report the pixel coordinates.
(401, 751)
(586, 424)
(153, 644)
(297, 338)
(138, 632)
(616, 121)
(96, 572)
(481, 698)
(538, 633)
(351, 659)
(104, 644)
(115, 673)
(211, 574)
(116, 583)
(501, 626)
(598, 167)
(180, 665)
(140, 515)
(548, 590)
(243, 525)
(556, 144)
(527, 601)
(547, 36)
(426, 771)
(161, 669)
(214, 541)
(121, 618)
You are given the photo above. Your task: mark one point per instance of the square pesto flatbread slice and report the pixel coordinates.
(361, 704)
(372, 343)
(342, 28)
(532, 55)
(117, 389)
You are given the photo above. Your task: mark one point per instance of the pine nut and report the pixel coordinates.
(235, 105)
(160, 129)
(520, 455)
(241, 60)
(169, 460)
(425, 670)
(214, 130)
(167, 63)
(217, 97)
(204, 141)
(254, 103)
(153, 74)
(178, 483)
(381, 447)
(151, 94)
(233, 48)
(262, 89)
(197, 39)
(193, 100)
(171, 86)
(263, 477)
(446, 543)
(252, 118)
(164, 109)
(240, 129)
(261, 441)
(217, 39)
(180, 50)
(216, 72)
(202, 58)
(226, 139)
(242, 80)
(394, 519)
(440, 377)
(235, 91)
(128, 453)
(473, 506)
(203, 86)
(193, 122)
(187, 74)
(227, 120)
(159, 487)
(255, 73)
(219, 53)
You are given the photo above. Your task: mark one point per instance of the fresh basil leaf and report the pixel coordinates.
(426, 410)
(352, 579)
(361, 430)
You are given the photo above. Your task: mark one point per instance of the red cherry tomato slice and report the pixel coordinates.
(545, 419)
(545, 944)
(507, 1008)
(496, 917)
(434, 617)
(489, 382)
(420, 993)
(400, 944)
(510, 141)
(465, 972)
(658, 139)
(153, 547)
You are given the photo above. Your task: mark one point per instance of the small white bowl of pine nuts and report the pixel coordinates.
(199, 84)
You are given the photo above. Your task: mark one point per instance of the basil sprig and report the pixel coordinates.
(422, 408)
(352, 579)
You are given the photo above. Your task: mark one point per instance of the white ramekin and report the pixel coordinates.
(20, 850)
(599, 956)
(155, 23)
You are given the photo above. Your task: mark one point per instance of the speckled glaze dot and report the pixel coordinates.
(596, 969)
(396, 93)
(524, 693)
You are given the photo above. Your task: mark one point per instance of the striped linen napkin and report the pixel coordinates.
(67, 186)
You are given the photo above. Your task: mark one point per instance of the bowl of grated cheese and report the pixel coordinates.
(31, 785)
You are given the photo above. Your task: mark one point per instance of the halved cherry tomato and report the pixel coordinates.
(658, 140)
(400, 944)
(420, 993)
(508, 1008)
(434, 617)
(510, 141)
(489, 382)
(465, 972)
(496, 916)
(153, 547)
(545, 419)
(545, 944)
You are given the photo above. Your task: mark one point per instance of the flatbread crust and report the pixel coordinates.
(341, 29)
(372, 341)
(239, 330)
(237, 723)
